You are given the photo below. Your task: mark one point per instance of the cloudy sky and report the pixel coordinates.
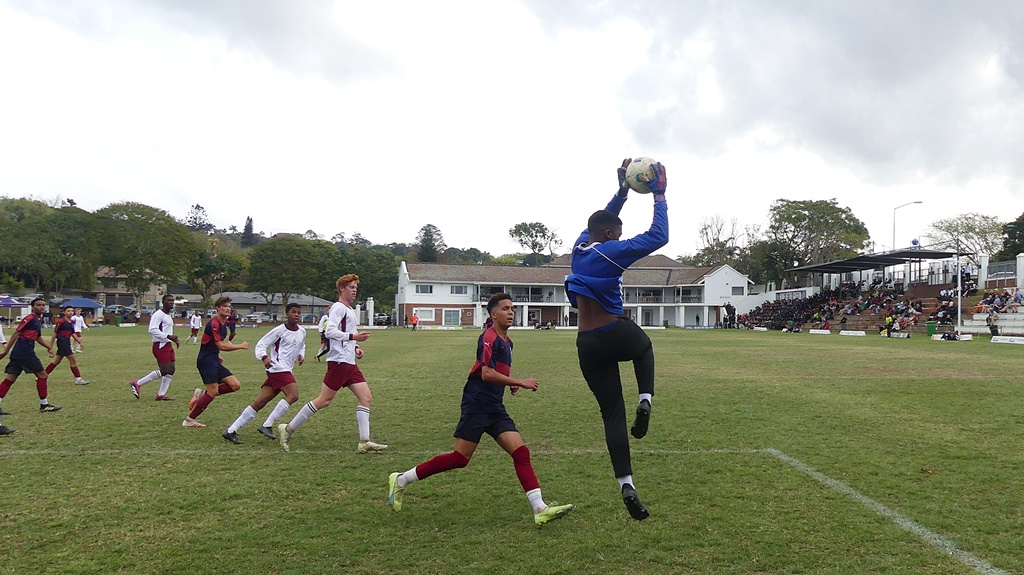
(381, 117)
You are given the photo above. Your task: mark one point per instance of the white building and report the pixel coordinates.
(657, 291)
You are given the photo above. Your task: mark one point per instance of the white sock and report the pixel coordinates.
(279, 410)
(165, 384)
(246, 416)
(624, 480)
(408, 477)
(648, 396)
(363, 421)
(148, 377)
(305, 413)
(536, 500)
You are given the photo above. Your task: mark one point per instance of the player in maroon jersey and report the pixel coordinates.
(62, 334)
(22, 346)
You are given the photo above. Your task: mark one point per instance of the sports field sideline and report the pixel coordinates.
(768, 453)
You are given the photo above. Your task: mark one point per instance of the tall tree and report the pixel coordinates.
(974, 233)
(817, 231)
(722, 243)
(248, 237)
(1013, 240)
(197, 220)
(283, 265)
(144, 244)
(210, 268)
(430, 243)
(535, 236)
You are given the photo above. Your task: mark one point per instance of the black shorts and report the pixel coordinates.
(213, 372)
(472, 426)
(64, 346)
(26, 365)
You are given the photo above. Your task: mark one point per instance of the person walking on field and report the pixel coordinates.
(415, 321)
(63, 333)
(606, 337)
(161, 331)
(79, 327)
(341, 368)
(483, 411)
(279, 350)
(195, 322)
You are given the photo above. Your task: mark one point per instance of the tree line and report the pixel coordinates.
(55, 246)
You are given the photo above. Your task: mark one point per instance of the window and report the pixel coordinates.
(737, 290)
(425, 314)
(460, 290)
(452, 317)
(427, 288)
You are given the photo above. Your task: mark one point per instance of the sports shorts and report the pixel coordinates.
(213, 372)
(279, 379)
(27, 365)
(163, 352)
(340, 374)
(64, 346)
(472, 426)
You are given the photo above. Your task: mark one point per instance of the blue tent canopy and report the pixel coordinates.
(8, 301)
(81, 302)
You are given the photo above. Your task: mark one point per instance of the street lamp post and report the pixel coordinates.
(894, 220)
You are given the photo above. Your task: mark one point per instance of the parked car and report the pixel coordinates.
(258, 317)
(380, 318)
(115, 309)
(308, 318)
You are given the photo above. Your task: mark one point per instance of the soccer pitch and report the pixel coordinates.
(768, 453)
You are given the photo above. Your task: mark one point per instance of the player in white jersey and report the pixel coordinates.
(79, 323)
(196, 323)
(341, 368)
(161, 327)
(278, 350)
(325, 344)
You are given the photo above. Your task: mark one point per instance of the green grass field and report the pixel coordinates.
(768, 453)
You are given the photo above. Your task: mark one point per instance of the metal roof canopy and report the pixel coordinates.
(875, 261)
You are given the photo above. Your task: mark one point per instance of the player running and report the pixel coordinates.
(483, 411)
(341, 369)
(196, 323)
(161, 328)
(218, 379)
(22, 347)
(605, 336)
(63, 333)
(279, 349)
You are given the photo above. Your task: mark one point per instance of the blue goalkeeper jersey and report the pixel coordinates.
(597, 268)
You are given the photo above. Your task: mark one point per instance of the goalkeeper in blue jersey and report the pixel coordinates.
(606, 337)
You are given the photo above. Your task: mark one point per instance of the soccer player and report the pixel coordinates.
(232, 321)
(325, 344)
(218, 379)
(341, 368)
(606, 337)
(80, 326)
(161, 328)
(62, 334)
(483, 411)
(278, 350)
(22, 347)
(196, 323)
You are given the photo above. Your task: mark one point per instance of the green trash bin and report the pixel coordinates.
(932, 326)
(117, 320)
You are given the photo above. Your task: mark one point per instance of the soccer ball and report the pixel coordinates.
(638, 173)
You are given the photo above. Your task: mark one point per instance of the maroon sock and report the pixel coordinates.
(75, 372)
(443, 462)
(224, 388)
(5, 387)
(41, 387)
(50, 368)
(524, 469)
(201, 405)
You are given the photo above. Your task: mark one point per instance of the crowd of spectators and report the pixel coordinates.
(1005, 301)
(885, 299)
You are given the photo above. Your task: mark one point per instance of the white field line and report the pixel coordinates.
(931, 538)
